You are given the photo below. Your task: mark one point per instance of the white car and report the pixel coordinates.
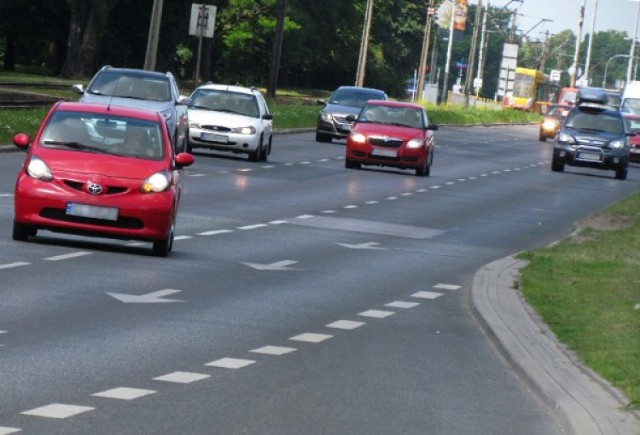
(230, 118)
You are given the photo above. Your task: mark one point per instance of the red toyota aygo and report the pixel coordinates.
(101, 171)
(391, 133)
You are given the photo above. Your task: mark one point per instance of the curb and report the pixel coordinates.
(583, 402)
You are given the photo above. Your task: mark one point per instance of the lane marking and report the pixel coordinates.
(12, 265)
(124, 393)
(426, 295)
(182, 238)
(230, 363)
(304, 216)
(274, 350)
(280, 222)
(58, 410)
(8, 430)
(350, 206)
(328, 211)
(402, 304)
(371, 202)
(252, 227)
(345, 324)
(214, 232)
(278, 265)
(310, 337)
(377, 314)
(447, 286)
(182, 377)
(371, 227)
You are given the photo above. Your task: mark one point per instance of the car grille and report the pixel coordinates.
(341, 119)
(385, 142)
(215, 128)
(61, 215)
(108, 190)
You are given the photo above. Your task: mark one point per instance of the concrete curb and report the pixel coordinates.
(584, 402)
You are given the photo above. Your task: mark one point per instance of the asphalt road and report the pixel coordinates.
(301, 297)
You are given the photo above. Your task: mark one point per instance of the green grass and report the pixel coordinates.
(586, 289)
(19, 121)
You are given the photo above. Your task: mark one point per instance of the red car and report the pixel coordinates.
(632, 125)
(99, 170)
(391, 133)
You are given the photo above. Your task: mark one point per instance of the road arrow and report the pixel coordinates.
(369, 245)
(156, 297)
(278, 265)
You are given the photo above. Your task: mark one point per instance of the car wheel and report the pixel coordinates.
(21, 232)
(621, 173)
(557, 165)
(321, 137)
(254, 156)
(162, 247)
(425, 170)
(352, 164)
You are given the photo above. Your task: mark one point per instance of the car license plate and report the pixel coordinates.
(212, 137)
(384, 153)
(92, 211)
(592, 157)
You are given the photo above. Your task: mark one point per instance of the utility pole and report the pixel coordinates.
(364, 45)
(593, 25)
(425, 51)
(483, 48)
(632, 52)
(277, 50)
(447, 66)
(574, 66)
(154, 36)
(472, 54)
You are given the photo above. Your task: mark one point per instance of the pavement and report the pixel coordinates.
(583, 402)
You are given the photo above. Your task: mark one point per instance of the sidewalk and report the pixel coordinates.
(584, 403)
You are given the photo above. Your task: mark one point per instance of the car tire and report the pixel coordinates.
(21, 232)
(352, 164)
(254, 156)
(557, 165)
(321, 137)
(621, 173)
(425, 170)
(162, 247)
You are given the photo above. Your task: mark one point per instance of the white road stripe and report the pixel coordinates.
(68, 256)
(350, 206)
(124, 393)
(304, 216)
(447, 286)
(182, 377)
(345, 324)
(252, 227)
(182, 238)
(278, 222)
(214, 232)
(230, 363)
(5, 195)
(371, 202)
(274, 350)
(11, 265)
(378, 314)
(402, 304)
(57, 410)
(196, 175)
(426, 295)
(391, 198)
(328, 211)
(311, 337)
(8, 430)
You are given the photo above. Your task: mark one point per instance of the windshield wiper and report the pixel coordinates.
(80, 146)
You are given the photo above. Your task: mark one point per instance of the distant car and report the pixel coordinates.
(102, 171)
(344, 101)
(394, 134)
(553, 120)
(230, 118)
(593, 136)
(141, 89)
(632, 124)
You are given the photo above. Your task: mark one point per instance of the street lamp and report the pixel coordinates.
(615, 56)
(633, 44)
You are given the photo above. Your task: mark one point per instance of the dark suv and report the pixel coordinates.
(593, 136)
(141, 89)
(344, 101)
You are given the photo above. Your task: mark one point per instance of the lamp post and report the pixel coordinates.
(615, 56)
(364, 44)
(593, 25)
(633, 44)
(574, 66)
(425, 51)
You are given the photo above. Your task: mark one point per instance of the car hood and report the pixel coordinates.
(224, 119)
(155, 106)
(98, 165)
(395, 131)
(593, 138)
(340, 109)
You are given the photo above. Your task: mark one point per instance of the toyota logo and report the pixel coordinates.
(94, 189)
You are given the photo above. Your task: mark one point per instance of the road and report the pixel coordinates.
(300, 297)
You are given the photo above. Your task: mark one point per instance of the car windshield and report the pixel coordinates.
(557, 111)
(632, 124)
(596, 121)
(401, 116)
(354, 97)
(225, 101)
(631, 105)
(131, 86)
(97, 133)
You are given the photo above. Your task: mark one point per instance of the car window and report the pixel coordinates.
(392, 115)
(556, 111)
(225, 101)
(131, 86)
(598, 121)
(633, 125)
(631, 105)
(354, 97)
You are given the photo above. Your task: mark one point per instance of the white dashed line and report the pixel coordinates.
(407, 194)
(12, 265)
(378, 314)
(345, 324)
(274, 350)
(391, 198)
(447, 286)
(214, 232)
(450, 183)
(435, 187)
(484, 175)
(371, 202)
(421, 190)
(8, 430)
(426, 295)
(58, 410)
(328, 211)
(182, 238)
(245, 170)
(230, 363)
(278, 222)
(323, 160)
(304, 216)
(350, 206)
(5, 195)
(67, 256)
(182, 377)
(196, 175)
(402, 304)
(267, 167)
(305, 163)
(252, 227)
(311, 337)
(125, 393)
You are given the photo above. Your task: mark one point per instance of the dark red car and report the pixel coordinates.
(632, 125)
(102, 171)
(391, 133)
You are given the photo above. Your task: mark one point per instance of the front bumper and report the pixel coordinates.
(591, 156)
(224, 141)
(400, 157)
(338, 128)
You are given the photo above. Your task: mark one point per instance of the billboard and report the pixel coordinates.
(458, 8)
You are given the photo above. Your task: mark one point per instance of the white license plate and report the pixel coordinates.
(212, 137)
(592, 157)
(384, 153)
(92, 211)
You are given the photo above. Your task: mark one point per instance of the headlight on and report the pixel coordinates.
(326, 116)
(244, 130)
(358, 137)
(549, 124)
(38, 169)
(415, 143)
(194, 125)
(616, 144)
(566, 138)
(158, 182)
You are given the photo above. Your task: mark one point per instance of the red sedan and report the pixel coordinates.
(632, 125)
(102, 171)
(390, 133)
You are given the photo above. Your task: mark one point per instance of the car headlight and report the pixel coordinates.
(549, 124)
(564, 137)
(616, 144)
(244, 130)
(358, 137)
(158, 182)
(326, 116)
(194, 125)
(415, 143)
(38, 169)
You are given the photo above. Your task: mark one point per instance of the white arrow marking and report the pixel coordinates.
(278, 265)
(369, 245)
(150, 298)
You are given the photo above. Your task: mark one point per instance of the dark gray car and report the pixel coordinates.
(141, 89)
(344, 101)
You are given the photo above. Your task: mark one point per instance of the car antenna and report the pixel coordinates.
(115, 88)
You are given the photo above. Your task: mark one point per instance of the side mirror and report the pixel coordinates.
(21, 140)
(320, 101)
(78, 89)
(432, 127)
(351, 118)
(183, 160)
(184, 100)
(267, 116)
